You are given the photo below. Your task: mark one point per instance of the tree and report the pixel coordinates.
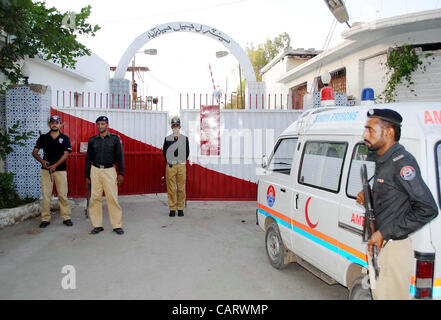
(259, 58)
(31, 30)
(265, 52)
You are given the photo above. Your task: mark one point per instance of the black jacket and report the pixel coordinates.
(170, 140)
(105, 151)
(402, 201)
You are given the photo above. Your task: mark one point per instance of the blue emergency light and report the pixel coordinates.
(367, 94)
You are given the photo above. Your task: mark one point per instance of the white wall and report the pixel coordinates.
(93, 76)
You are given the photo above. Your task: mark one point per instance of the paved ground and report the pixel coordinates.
(215, 252)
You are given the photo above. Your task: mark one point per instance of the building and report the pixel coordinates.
(359, 61)
(284, 62)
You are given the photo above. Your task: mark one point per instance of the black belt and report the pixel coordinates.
(400, 238)
(102, 166)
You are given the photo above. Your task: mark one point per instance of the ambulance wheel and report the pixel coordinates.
(358, 292)
(275, 248)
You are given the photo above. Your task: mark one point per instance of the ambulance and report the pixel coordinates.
(309, 183)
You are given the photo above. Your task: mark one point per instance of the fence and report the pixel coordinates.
(236, 101)
(100, 100)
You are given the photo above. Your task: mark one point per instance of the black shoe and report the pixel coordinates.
(68, 222)
(44, 224)
(172, 213)
(118, 231)
(97, 230)
(180, 213)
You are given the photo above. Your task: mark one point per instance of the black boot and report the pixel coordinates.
(68, 222)
(180, 213)
(172, 213)
(44, 224)
(97, 230)
(119, 231)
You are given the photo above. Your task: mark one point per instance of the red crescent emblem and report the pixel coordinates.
(306, 215)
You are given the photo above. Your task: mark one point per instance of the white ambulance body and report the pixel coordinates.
(308, 186)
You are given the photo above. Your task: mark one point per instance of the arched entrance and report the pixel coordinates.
(197, 28)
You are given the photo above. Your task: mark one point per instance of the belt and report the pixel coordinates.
(102, 166)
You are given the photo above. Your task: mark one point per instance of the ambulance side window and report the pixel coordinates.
(282, 158)
(360, 155)
(322, 164)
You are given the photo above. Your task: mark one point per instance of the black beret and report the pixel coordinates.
(386, 115)
(102, 118)
(55, 118)
(175, 121)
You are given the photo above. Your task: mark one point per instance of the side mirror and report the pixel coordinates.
(264, 161)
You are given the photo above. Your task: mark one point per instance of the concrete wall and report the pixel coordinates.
(364, 67)
(92, 74)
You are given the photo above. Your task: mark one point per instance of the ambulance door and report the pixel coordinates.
(275, 188)
(316, 201)
(351, 218)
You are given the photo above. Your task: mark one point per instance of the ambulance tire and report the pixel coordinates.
(275, 249)
(357, 292)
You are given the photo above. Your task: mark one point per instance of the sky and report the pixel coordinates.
(181, 65)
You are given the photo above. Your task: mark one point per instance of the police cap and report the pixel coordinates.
(102, 118)
(54, 118)
(386, 115)
(175, 121)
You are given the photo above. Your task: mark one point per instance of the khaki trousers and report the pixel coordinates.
(395, 264)
(175, 178)
(104, 180)
(60, 179)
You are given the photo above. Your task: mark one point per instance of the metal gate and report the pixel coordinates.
(144, 163)
(229, 177)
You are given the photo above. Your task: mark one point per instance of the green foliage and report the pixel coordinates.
(265, 52)
(31, 30)
(401, 64)
(13, 136)
(8, 193)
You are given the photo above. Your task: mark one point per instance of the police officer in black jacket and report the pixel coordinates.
(402, 203)
(103, 152)
(176, 151)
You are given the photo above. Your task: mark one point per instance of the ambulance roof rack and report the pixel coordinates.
(303, 122)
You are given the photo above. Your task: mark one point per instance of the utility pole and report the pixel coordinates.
(240, 84)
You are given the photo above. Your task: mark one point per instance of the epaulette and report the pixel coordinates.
(398, 158)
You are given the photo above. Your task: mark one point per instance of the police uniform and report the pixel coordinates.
(53, 150)
(175, 171)
(403, 204)
(102, 154)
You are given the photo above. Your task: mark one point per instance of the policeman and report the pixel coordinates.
(103, 151)
(402, 203)
(176, 151)
(56, 148)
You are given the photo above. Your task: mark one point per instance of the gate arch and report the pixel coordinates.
(197, 28)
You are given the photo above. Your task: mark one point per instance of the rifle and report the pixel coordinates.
(86, 211)
(369, 216)
(45, 153)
